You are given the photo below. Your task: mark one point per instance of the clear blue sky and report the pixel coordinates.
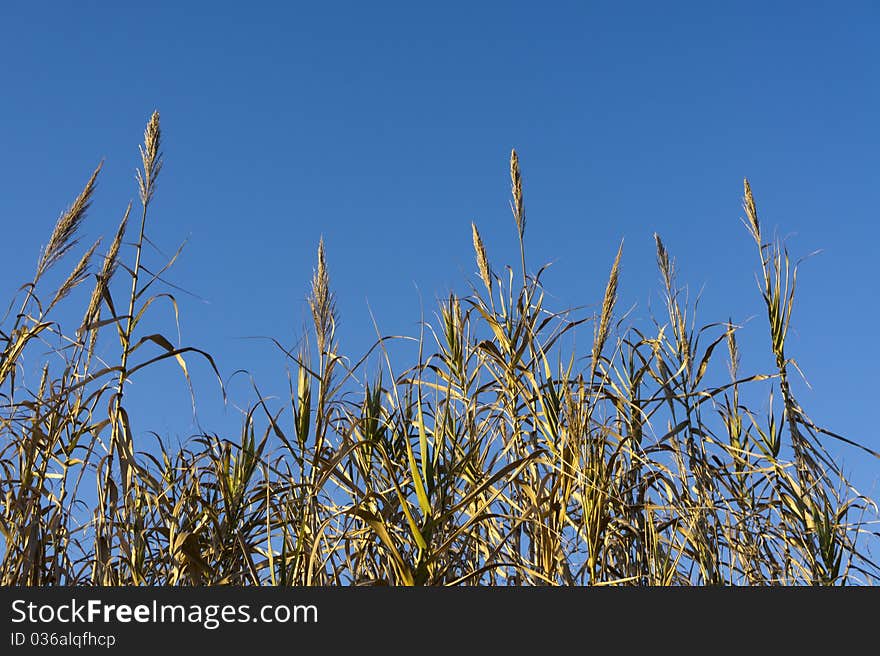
(386, 127)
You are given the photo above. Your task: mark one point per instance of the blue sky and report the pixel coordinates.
(386, 128)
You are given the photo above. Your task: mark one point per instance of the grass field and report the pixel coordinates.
(502, 455)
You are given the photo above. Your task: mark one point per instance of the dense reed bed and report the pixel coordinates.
(502, 455)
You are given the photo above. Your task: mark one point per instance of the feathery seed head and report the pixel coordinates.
(77, 275)
(482, 259)
(63, 236)
(516, 191)
(664, 263)
(321, 301)
(151, 159)
(107, 270)
(751, 211)
(732, 349)
(608, 302)
(111, 259)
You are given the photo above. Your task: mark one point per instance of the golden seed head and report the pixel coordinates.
(664, 263)
(751, 211)
(63, 236)
(516, 191)
(111, 260)
(608, 302)
(151, 159)
(321, 301)
(482, 260)
(77, 275)
(732, 349)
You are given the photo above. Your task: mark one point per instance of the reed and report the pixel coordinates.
(499, 455)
